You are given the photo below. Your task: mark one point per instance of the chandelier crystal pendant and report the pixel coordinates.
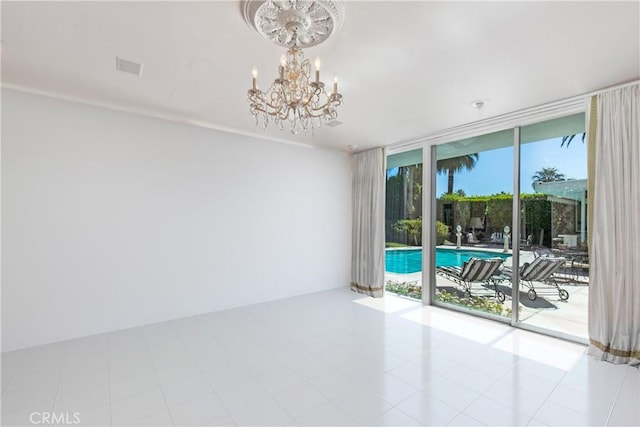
(294, 97)
(297, 97)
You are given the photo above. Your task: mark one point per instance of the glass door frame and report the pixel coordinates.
(515, 230)
(516, 222)
(429, 235)
(429, 144)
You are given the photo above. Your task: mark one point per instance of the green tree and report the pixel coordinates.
(412, 227)
(547, 175)
(403, 199)
(442, 232)
(454, 165)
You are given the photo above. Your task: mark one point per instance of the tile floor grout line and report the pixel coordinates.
(213, 390)
(155, 373)
(613, 405)
(64, 370)
(13, 375)
(108, 343)
(546, 399)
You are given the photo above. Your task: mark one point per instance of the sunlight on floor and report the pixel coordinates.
(388, 303)
(474, 329)
(539, 348)
(550, 351)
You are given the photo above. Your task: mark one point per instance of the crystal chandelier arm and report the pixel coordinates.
(313, 97)
(333, 101)
(257, 104)
(319, 112)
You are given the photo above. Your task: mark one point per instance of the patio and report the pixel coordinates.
(546, 311)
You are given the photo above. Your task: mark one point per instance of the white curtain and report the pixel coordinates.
(614, 294)
(367, 260)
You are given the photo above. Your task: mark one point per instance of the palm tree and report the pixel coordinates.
(547, 175)
(567, 139)
(456, 164)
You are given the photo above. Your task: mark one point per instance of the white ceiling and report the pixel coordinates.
(405, 68)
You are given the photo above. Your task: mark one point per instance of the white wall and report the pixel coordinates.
(112, 220)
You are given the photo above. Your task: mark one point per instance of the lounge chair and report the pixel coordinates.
(476, 270)
(542, 269)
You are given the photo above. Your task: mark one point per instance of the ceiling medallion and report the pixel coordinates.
(294, 97)
(313, 21)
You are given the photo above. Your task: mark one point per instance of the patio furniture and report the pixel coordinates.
(476, 270)
(542, 270)
(543, 252)
(580, 266)
(497, 237)
(576, 262)
(471, 238)
(571, 240)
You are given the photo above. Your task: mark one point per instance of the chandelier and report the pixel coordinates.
(296, 98)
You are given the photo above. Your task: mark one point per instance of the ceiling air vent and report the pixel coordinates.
(334, 123)
(128, 66)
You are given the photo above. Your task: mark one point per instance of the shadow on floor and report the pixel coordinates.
(489, 292)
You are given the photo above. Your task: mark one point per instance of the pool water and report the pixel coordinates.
(410, 260)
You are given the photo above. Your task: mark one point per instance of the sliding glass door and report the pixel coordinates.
(521, 259)
(554, 261)
(474, 181)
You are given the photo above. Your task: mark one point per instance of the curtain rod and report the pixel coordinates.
(608, 89)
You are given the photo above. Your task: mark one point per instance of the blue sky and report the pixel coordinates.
(494, 171)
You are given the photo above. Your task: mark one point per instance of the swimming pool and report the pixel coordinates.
(410, 260)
